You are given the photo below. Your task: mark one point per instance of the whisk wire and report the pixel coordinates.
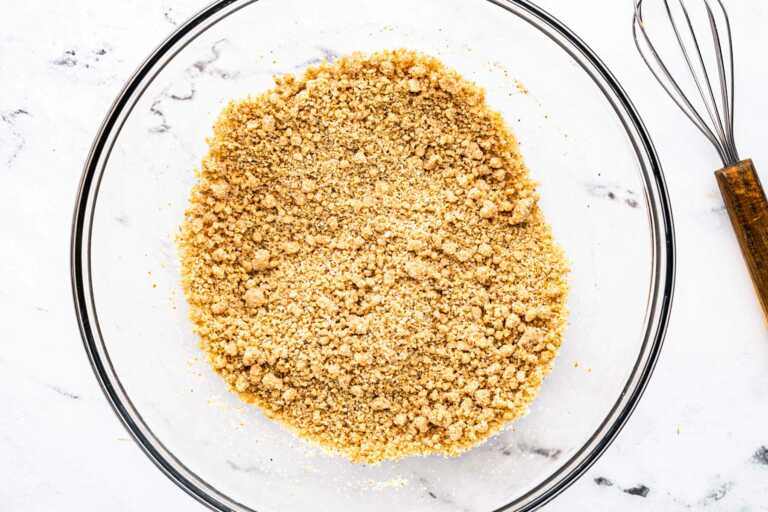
(720, 67)
(711, 105)
(720, 128)
(681, 100)
(729, 89)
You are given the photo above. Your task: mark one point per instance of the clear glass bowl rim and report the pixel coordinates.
(659, 298)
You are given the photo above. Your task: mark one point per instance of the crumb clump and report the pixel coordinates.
(365, 260)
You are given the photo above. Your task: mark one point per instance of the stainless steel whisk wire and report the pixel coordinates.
(721, 130)
(743, 194)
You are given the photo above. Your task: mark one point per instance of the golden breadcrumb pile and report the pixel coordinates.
(365, 259)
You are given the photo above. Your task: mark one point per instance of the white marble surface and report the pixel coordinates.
(698, 440)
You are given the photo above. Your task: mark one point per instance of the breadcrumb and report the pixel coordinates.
(365, 260)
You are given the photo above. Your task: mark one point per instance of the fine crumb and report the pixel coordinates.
(365, 259)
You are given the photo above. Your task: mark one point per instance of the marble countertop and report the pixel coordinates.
(697, 441)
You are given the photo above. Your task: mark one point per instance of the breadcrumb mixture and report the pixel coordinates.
(365, 259)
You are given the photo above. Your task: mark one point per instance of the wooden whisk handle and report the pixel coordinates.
(748, 209)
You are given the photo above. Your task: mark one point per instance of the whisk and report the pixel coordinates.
(739, 184)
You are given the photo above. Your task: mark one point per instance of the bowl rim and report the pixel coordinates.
(660, 292)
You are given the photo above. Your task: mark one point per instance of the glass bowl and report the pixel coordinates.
(602, 190)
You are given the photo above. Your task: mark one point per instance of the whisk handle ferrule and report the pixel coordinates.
(747, 207)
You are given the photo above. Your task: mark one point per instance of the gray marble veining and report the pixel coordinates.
(695, 442)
